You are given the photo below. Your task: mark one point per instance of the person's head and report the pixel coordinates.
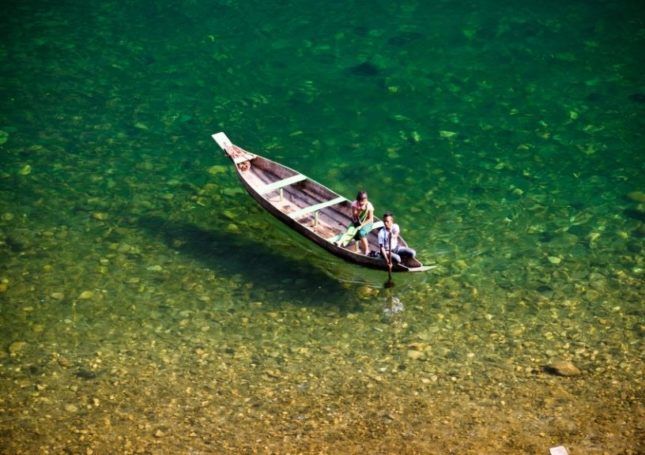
(388, 219)
(361, 196)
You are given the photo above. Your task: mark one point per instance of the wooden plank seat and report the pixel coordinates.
(282, 183)
(315, 208)
(237, 154)
(242, 159)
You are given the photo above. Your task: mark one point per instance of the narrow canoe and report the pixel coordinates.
(306, 206)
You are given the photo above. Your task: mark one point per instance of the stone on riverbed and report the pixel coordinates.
(562, 368)
(71, 408)
(86, 295)
(16, 348)
(415, 355)
(636, 196)
(100, 216)
(85, 374)
(366, 292)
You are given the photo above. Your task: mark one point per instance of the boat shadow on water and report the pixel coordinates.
(269, 270)
(338, 270)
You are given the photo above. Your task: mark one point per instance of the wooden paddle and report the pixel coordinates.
(389, 283)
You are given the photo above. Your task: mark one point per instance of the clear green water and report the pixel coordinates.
(147, 305)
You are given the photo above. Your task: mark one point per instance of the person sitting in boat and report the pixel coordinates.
(362, 218)
(388, 242)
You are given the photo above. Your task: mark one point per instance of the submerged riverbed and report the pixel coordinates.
(148, 305)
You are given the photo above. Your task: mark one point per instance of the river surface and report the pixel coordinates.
(149, 305)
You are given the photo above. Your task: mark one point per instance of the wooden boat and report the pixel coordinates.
(305, 205)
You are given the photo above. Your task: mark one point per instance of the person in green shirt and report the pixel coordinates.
(362, 218)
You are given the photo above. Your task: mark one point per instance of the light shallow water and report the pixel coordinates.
(148, 305)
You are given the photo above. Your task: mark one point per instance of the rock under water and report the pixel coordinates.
(364, 69)
(562, 368)
(637, 97)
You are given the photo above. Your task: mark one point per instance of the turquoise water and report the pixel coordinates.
(147, 304)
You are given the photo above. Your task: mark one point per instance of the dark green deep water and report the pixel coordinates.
(148, 305)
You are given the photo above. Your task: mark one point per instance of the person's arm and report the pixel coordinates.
(355, 218)
(369, 218)
(395, 232)
(381, 241)
(385, 255)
